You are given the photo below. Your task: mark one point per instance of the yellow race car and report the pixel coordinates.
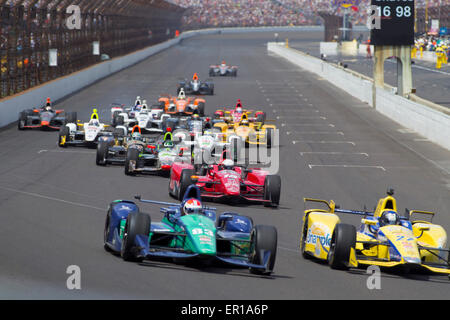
(250, 132)
(384, 239)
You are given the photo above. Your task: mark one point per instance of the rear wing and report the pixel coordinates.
(411, 213)
(334, 208)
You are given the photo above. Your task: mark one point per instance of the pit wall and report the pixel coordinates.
(426, 118)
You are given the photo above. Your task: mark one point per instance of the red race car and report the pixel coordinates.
(226, 181)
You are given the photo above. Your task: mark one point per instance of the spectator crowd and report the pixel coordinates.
(231, 13)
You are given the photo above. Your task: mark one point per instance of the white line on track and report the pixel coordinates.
(344, 166)
(323, 142)
(37, 195)
(335, 153)
(67, 151)
(315, 132)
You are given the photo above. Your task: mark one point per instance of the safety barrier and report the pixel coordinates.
(430, 120)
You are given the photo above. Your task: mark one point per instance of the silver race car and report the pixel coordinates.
(223, 70)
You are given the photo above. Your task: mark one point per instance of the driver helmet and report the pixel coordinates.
(94, 122)
(192, 206)
(136, 135)
(227, 164)
(195, 116)
(389, 217)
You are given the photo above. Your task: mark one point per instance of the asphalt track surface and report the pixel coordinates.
(53, 202)
(430, 83)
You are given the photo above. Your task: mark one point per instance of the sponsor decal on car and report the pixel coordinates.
(319, 233)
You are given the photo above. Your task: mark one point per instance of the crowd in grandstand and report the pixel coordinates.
(205, 13)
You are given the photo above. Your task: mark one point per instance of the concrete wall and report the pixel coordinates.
(431, 122)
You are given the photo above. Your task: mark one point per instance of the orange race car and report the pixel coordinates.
(182, 105)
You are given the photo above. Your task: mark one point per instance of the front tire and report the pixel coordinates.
(137, 223)
(63, 136)
(264, 238)
(343, 239)
(132, 156)
(185, 182)
(102, 151)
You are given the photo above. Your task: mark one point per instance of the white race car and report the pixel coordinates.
(148, 119)
(223, 70)
(83, 134)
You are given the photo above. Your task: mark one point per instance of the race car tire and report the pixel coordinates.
(114, 115)
(234, 73)
(343, 239)
(305, 254)
(211, 73)
(264, 238)
(185, 182)
(106, 232)
(71, 117)
(118, 120)
(132, 155)
(63, 132)
(236, 146)
(137, 223)
(269, 135)
(272, 190)
(22, 120)
(201, 109)
(172, 191)
(102, 150)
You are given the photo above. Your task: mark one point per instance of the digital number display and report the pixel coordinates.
(391, 22)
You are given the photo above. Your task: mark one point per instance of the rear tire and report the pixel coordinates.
(71, 117)
(201, 109)
(137, 223)
(343, 239)
(264, 238)
(272, 190)
(118, 120)
(22, 120)
(269, 136)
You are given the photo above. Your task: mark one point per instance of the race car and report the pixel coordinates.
(148, 119)
(113, 149)
(45, 118)
(384, 239)
(227, 182)
(87, 135)
(234, 115)
(248, 132)
(182, 105)
(156, 157)
(195, 86)
(189, 232)
(223, 70)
